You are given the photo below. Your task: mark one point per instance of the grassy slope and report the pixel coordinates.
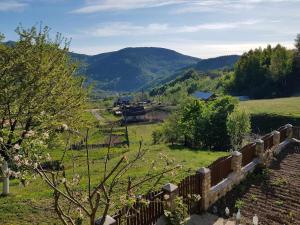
(279, 106)
(32, 204)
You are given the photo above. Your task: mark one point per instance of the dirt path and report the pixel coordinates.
(96, 114)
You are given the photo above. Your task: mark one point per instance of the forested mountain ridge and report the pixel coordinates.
(130, 68)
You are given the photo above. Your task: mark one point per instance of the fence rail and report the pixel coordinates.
(248, 153)
(189, 187)
(268, 141)
(220, 169)
(283, 133)
(296, 132)
(141, 213)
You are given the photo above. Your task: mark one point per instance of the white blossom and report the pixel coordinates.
(17, 147)
(64, 127)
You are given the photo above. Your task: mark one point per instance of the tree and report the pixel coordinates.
(40, 92)
(171, 130)
(238, 126)
(297, 44)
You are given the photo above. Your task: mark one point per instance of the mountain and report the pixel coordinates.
(205, 65)
(130, 69)
(221, 62)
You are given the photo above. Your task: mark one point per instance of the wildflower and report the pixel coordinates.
(64, 127)
(1, 140)
(63, 180)
(46, 135)
(17, 147)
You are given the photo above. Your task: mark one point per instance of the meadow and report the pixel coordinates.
(289, 107)
(34, 201)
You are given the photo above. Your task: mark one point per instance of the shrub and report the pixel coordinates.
(178, 215)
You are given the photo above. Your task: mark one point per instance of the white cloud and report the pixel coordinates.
(12, 5)
(224, 5)
(93, 6)
(129, 29)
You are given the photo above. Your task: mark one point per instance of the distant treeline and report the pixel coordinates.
(259, 73)
(264, 73)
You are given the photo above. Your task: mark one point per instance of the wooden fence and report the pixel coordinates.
(268, 141)
(296, 132)
(140, 213)
(189, 188)
(220, 169)
(248, 153)
(283, 133)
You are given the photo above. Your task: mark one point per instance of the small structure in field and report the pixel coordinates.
(134, 114)
(124, 100)
(205, 96)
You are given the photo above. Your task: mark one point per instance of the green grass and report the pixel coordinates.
(279, 106)
(33, 202)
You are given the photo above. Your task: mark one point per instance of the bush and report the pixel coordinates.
(238, 126)
(178, 215)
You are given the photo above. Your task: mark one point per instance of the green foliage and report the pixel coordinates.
(200, 123)
(262, 73)
(297, 44)
(39, 89)
(239, 204)
(179, 213)
(238, 126)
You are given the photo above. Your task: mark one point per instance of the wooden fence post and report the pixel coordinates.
(5, 181)
(205, 189)
(259, 151)
(108, 221)
(170, 193)
(289, 131)
(276, 137)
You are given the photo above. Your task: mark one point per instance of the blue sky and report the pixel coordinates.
(201, 28)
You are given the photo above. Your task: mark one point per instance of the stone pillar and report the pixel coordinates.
(259, 150)
(5, 179)
(236, 162)
(289, 131)
(170, 193)
(108, 221)
(276, 137)
(205, 189)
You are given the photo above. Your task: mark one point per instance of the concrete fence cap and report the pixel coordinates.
(259, 141)
(276, 132)
(170, 187)
(203, 170)
(108, 220)
(288, 125)
(236, 153)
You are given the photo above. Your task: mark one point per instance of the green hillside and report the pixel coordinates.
(131, 68)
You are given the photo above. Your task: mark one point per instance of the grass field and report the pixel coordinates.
(279, 106)
(34, 202)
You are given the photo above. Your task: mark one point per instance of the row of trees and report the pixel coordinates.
(269, 72)
(216, 124)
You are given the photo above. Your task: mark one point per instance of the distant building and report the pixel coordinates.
(124, 100)
(205, 96)
(134, 114)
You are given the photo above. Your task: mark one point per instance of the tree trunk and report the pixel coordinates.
(5, 179)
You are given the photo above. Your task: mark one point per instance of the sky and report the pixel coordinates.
(200, 28)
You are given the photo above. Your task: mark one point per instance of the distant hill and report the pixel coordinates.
(221, 62)
(130, 68)
(206, 65)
